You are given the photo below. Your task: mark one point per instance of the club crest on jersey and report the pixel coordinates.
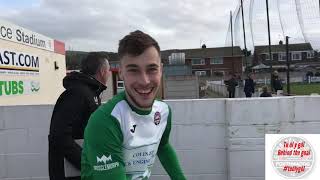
(157, 118)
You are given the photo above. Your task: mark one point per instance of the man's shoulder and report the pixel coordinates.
(109, 106)
(77, 91)
(161, 106)
(69, 96)
(103, 116)
(161, 103)
(81, 89)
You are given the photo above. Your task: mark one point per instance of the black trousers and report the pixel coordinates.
(248, 94)
(56, 168)
(231, 94)
(56, 163)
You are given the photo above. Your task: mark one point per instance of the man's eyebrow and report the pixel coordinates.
(152, 66)
(131, 66)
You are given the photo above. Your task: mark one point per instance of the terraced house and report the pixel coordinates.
(299, 55)
(207, 61)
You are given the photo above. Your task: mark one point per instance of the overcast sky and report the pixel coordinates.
(98, 25)
(93, 25)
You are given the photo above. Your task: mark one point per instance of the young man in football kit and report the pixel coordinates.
(124, 136)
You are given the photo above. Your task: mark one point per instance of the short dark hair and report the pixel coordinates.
(265, 89)
(136, 43)
(93, 62)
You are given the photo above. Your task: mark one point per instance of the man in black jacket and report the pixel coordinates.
(231, 86)
(72, 111)
(249, 86)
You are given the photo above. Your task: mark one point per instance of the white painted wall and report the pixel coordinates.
(181, 87)
(216, 139)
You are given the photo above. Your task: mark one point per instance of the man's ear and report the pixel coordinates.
(101, 72)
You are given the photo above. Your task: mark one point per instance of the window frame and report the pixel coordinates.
(216, 58)
(202, 61)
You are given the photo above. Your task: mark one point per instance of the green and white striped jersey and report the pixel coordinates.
(121, 142)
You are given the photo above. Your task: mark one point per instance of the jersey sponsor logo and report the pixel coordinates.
(104, 159)
(134, 128)
(140, 159)
(102, 163)
(157, 118)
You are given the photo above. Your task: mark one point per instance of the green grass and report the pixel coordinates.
(303, 89)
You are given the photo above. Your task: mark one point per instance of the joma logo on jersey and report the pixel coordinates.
(104, 159)
(134, 128)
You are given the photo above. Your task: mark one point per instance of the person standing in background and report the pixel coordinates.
(231, 85)
(72, 111)
(249, 86)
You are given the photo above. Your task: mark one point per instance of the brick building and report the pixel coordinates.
(209, 61)
(299, 54)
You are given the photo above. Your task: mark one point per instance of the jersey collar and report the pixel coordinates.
(135, 109)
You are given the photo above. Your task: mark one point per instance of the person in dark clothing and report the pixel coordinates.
(249, 86)
(277, 84)
(231, 86)
(265, 92)
(72, 111)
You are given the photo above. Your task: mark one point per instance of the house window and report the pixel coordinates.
(266, 57)
(275, 56)
(198, 62)
(282, 56)
(296, 55)
(200, 73)
(310, 54)
(216, 60)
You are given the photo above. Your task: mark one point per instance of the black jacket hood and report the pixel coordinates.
(76, 79)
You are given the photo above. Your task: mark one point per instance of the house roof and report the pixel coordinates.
(204, 52)
(282, 48)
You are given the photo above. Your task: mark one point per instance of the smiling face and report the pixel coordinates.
(142, 77)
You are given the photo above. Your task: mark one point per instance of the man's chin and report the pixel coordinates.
(144, 105)
(141, 101)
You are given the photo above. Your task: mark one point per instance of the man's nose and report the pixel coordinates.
(144, 78)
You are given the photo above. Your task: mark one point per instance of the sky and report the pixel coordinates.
(98, 25)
